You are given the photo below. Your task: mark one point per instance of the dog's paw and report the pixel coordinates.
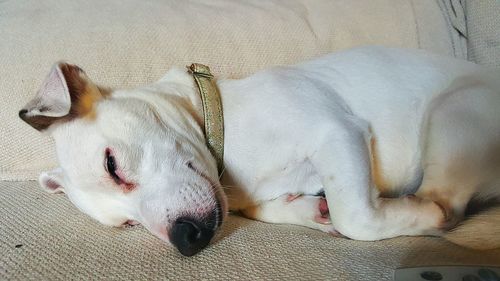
(313, 210)
(130, 223)
(413, 215)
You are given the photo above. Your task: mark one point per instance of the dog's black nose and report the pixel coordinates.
(22, 112)
(190, 236)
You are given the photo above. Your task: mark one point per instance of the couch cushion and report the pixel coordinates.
(44, 237)
(483, 31)
(128, 43)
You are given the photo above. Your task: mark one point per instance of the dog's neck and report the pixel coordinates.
(180, 90)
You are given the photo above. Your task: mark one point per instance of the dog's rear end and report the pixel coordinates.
(481, 229)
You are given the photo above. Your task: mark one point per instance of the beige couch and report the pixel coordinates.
(128, 43)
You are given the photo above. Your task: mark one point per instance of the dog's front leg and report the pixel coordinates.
(304, 210)
(342, 159)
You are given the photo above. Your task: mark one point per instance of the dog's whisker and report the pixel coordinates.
(222, 172)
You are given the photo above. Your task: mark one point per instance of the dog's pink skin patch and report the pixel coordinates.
(324, 213)
(52, 184)
(323, 207)
(127, 187)
(335, 233)
(292, 197)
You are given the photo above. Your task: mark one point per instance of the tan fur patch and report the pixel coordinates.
(377, 174)
(82, 91)
(251, 212)
(85, 107)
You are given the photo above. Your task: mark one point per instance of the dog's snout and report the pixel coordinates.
(190, 236)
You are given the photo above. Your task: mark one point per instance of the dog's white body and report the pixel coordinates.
(354, 124)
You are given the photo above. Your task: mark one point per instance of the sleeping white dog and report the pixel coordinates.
(399, 142)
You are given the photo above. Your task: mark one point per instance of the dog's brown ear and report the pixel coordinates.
(65, 94)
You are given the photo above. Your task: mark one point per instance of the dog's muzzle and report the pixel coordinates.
(191, 235)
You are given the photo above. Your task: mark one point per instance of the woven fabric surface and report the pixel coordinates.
(57, 242)
(483, 31)
(129, 43)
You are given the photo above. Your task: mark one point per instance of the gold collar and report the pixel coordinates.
(212, 111)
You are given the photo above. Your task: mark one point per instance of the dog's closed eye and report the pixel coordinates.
(111, 166)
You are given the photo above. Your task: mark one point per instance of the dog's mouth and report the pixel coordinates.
(191, 234)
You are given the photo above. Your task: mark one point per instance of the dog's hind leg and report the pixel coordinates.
(305, 210)
(341, 158)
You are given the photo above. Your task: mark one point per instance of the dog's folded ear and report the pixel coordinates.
(52, 181)
(65, 94)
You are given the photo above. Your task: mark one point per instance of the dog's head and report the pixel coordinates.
(130, 156)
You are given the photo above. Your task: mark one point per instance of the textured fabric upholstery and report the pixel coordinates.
(483, 31)
(59, 242)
